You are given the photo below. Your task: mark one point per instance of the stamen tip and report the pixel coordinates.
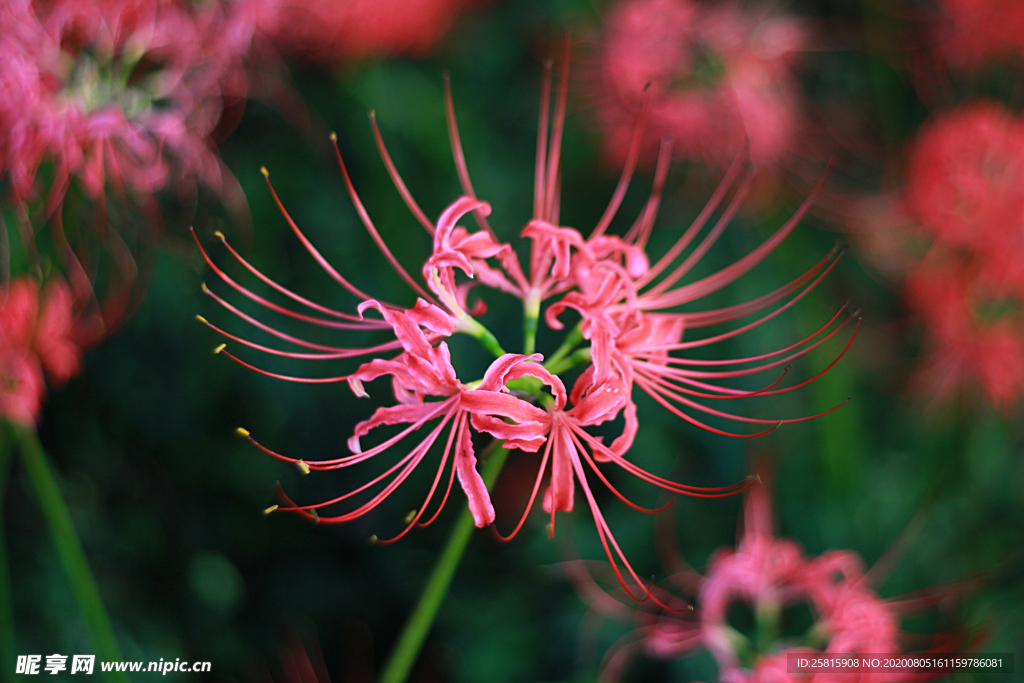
(303, 467)
(270, 509)
(218, 234)
(219, 348)
(374, 539)
(333, 136)
(409, 517)
(264, 171)
(242, 432)
(202, 320)
(373, 114)
(314, 515)
(202, 286)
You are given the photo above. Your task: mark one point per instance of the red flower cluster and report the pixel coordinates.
(971, 32)
(38, 335)
(770, 574)
(714, 77)
(333, 32)
(125, 92)
(965, 187)
(628, 333)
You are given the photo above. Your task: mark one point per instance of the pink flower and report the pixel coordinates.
(124, 93)
(769, 574)
(970, 32)
(965, 184)
(35, 337)
(334, 32)
(974, 338)
(629, 331)
(714, 76)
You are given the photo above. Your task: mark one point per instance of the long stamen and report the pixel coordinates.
(698, 223)
(277, 287)
(357, 324)
(744, 264)
(627, 170)
(460, 158)
(309, 245)
(371, 228)
(539, 200)
(705, 245)
(533, 494)
(397, 179)
(555, 148)
(641, 229)
(289, 378)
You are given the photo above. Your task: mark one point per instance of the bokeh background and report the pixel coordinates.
(168, 500)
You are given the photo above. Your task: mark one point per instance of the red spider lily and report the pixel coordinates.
(715, 77)
(628, 318)
(770, 574)
(965, 185)
(39, 333)
(336, 32)
(119, 93)
(968, 33)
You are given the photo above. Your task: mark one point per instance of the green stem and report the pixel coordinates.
(422, 618)
(579, 357)
(69, 550)
(570, 342)
(8, 650)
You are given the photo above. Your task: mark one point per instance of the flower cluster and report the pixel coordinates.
(39, 333)
(124, 93)
(627, 340)
(770, 576)
(714, 76)
(334, 32)
(965, 190)
(970, 32)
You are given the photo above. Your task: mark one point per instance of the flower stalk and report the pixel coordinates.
(69, 550)
(410, 642)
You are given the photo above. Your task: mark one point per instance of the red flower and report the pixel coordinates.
(334, 32)
(714, 77)
(35, 337)
(119, 92)
(628, 335)
(769, 574)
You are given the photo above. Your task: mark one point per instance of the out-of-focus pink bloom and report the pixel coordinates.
(965, 184)
(970, 32)
(628, 335)
(334, 32)
(769, 574)
(35, 336)
(123, 93)
(974, 336)
(714, 77)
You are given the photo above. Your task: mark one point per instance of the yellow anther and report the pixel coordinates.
(206, 290)
(202, 320)
(373, 539)
(264, 171)
(242, 432)
(270, 509)
(219, 348)
(409, 517)
(303, 467)
(334, 138)
(314, 515)
(219, 234)
(373, 113)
